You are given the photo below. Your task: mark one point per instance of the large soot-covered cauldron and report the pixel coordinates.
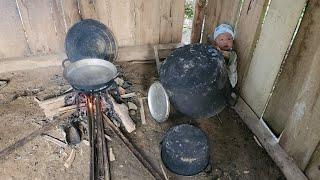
(194, 76)
(185, 150)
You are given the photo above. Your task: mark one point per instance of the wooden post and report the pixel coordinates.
(198, 21)
(156, 55)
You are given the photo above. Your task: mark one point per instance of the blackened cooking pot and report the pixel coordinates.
(185, 150)
(194, 77)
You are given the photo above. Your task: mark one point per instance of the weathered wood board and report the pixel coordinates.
(13, 42)
(43, 31)
(275, 37)
(248, 31)
(301, 134)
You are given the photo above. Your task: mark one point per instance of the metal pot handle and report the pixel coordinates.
(63, 63)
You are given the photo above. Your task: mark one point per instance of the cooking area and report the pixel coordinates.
(102, 108)
(113, 90)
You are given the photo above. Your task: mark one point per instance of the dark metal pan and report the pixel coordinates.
(90, 39)
(89, 75)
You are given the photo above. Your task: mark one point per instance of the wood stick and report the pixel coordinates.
(54, 106)
(111, 155)
(67, 108)
(54, 140)
(129, 95)
(101, 143)
(141, 62)
(135, 152)
(164, 172)
(269, 142)
(156, 55)
(198, 21)
(70, 159)
(123, 113)
(142, 114)
(5, 152)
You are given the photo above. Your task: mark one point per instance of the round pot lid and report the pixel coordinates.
(90, 39)
(158, 102)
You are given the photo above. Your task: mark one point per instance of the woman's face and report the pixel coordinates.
(224, 41)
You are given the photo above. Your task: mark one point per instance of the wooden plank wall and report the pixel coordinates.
(38, 27)
(294, 108)
(276, 33)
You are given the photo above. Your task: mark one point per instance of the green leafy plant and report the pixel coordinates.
(188, 10)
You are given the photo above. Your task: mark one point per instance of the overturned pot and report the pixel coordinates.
(185, 150)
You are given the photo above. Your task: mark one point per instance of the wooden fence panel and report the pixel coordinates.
(248, 31)
(219, 11)
(138, 22)
(302, 131)
(171, 21)
(44, 23)
(103, 11)
(147, 21)
(70, 12)
(59, 23)
(87, 9)
(42, 30)
(291, 80)
(165, 21)
(275, 37)
(13, 42)
(123, 21)
(177, 17)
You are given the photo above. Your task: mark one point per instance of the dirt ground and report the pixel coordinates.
(234, 153)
